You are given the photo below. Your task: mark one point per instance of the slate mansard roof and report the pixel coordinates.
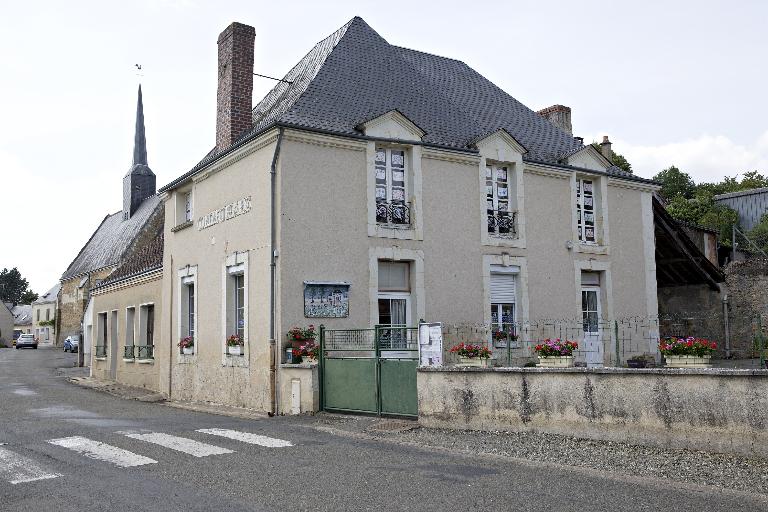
(354, 75)
(111, 239)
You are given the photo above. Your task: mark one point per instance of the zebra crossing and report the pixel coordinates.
(16, 468)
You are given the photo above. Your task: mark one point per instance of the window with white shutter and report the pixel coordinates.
(503, 303)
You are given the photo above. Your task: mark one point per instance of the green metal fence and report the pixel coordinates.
(369, 370)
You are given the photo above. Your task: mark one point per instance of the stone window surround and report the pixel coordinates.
(179, 203)
(188, 271)
(515, 180)
(128, 323)
(416, 258)
(521, 286)
(413, 178)
(601, 216)
(238, 261)
(606, 286)
(101, 330)
(143, 308)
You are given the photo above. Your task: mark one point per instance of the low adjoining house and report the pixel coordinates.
(113, 240)
(126, 311)
(381, 185)
(44, 315)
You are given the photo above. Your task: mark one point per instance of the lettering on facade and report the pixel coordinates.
(229, 211)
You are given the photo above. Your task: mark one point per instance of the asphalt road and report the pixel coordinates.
(320, 471)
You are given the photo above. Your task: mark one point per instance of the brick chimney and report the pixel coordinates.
(605, 148)
(558, 115)
(234, 98)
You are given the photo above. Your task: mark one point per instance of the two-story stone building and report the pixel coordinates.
(396, 186)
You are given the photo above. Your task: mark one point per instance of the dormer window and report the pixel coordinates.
(499, 200)
(391, 187)
(188, 207)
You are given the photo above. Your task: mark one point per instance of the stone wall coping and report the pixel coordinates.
(300, 366)
(730, 372)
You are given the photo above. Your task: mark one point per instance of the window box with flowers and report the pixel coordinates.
(306, 353)
(235, 345)
(471, 355)
(299, 336)
(187, 345)
(687, 352)
(555, 353)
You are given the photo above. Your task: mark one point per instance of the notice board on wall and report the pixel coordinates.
(326, 299)
(431, 344)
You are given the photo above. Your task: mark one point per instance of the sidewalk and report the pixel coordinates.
(111, 387)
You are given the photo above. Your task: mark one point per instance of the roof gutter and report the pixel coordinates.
(273, 345)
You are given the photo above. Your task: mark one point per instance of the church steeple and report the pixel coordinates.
(140, 182)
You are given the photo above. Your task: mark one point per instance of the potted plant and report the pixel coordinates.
(187, 345)
(299, 336)
(471, 355)
(309, 352)
(555, 353)
(296, 356)
(641, 361)
(501, 338)
(687, 352)
(235, 345)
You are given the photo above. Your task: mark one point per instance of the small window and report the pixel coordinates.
(130, 318)
(147, 331)
(47, 314)
(585, 211)
(236, 305)
(391, 187)
(503, 305)
(38, 315)
(188, 206)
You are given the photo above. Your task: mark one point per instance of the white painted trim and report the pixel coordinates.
(238, 260)
(189, 271)
(521, 286)
(416, 257)
(446, 155)
(394, 126)
(606, 285)
(413, 155)
(601, 215)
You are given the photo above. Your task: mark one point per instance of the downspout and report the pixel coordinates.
(273, 345)
(170, 331)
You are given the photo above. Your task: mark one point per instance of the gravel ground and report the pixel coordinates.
(726, 471)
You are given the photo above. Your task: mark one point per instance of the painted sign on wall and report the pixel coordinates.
(326, 300)
(230, 211)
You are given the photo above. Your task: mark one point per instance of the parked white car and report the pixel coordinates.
(26, 340)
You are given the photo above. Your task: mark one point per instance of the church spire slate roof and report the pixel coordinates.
(140, 139)
(140, 182)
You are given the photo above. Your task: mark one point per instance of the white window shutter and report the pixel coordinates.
(503, 288)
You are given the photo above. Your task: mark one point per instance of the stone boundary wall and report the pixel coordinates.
(720, 410)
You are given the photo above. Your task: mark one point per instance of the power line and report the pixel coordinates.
(273, 78)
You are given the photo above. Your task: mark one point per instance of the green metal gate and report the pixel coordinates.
(369, 370)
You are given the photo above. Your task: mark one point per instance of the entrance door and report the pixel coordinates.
(394, 310)
(591, 315)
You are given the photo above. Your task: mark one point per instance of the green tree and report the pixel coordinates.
(753, 179)
(759, 233)
(675, 182)
(14, 288)
(704, 211)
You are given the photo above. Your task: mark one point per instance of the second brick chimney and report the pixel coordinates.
(558, 115)
(234, 98)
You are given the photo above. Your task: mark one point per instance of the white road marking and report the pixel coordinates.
(101, 451)
(247, 437)
(18, 470)
(181, 444)
(24, 392)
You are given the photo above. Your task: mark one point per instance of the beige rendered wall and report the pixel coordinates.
(323, 237)
(38, 329)
(132, 372)
(719, 410)
(210, 375)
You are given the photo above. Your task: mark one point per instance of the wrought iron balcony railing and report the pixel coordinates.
(145, 352)
(128, 352)
(502, 224)
(101, 351)
(393, 212)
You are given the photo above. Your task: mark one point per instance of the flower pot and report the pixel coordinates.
(309, 360)
(235, 350)
(637, 363)
(188, 351)
(481, 362)
(688, 361)
(555, 361)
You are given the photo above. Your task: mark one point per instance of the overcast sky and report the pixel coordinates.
(671, 82)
